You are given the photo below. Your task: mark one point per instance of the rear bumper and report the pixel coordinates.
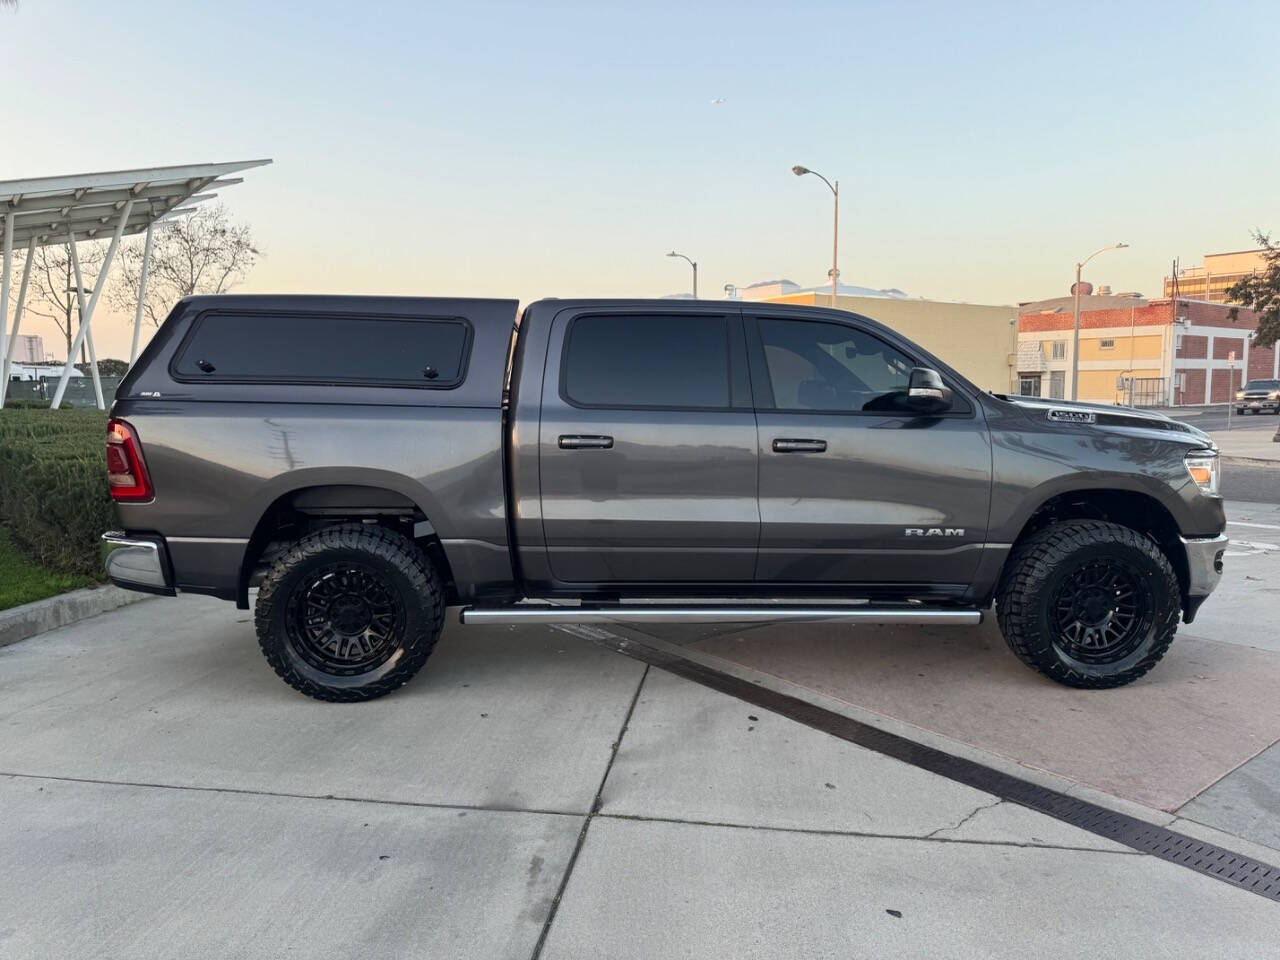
(138, 562)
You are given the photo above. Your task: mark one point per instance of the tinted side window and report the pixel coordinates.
(325, 349)
(647, 361)
(829, 366)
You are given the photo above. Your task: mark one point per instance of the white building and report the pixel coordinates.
(28, 348)
(38, 371)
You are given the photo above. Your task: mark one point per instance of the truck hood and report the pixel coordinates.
(1108, 416)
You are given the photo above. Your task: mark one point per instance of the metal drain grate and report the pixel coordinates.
(1207, 858)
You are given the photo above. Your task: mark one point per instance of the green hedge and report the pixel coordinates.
(53, 486)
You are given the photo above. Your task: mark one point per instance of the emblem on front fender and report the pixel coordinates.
(934, 531)
(1073, 416)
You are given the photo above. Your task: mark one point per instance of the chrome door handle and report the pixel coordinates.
(791, 445)
(586, 443)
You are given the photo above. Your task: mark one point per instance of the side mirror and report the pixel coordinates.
(926, 392)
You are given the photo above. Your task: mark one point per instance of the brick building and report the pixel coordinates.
(1142, 352)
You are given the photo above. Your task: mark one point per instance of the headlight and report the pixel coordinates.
(1239, 394)
(1274, 395)
(1203, 467)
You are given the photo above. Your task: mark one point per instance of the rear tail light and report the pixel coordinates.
(126, 471)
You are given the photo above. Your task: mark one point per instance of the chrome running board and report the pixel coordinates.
(761, 613)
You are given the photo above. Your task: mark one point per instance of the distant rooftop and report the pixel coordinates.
(1092, 301)
(781, 288)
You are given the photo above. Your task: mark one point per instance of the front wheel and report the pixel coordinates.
(1089, 603)
(350, 612)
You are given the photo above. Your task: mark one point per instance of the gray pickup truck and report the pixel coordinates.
(367, 461)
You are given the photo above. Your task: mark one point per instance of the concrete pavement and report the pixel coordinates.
(1256, 445)
(164, 791)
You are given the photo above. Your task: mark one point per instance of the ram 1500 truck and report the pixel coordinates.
(366, 462)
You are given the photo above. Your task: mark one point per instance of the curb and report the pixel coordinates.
(29, 619)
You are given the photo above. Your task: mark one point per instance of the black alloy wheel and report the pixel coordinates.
(1102, 610)
(345, 619)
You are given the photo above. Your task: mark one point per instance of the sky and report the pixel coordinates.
(560, 149)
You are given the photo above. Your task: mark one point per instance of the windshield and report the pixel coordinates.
(1262, 385)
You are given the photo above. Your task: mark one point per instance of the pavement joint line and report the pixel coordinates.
(1208, 859)
(1242, 763)
(244, 791)
(586, 823)
(865, 835)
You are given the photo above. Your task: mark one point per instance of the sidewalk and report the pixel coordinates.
(530, 794)
(1250, 445)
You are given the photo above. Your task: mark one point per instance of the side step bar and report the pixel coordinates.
(654, 613)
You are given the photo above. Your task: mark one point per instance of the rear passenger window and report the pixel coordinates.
(647, 361)
(293, 348)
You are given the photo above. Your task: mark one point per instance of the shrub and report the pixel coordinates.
(53, 486)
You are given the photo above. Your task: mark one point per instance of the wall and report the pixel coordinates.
(975, 339)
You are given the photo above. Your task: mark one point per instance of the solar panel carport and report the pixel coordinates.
(91, 206)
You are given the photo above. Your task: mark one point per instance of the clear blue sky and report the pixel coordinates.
(531, 149)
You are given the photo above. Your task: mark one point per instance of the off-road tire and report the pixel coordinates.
(1036, 572)
(395, 567)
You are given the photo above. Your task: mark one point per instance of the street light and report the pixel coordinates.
(1075, 336)
(800, 171)
(695, 271)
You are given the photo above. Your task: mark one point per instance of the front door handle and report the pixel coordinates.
(793, 445)
(586, 443)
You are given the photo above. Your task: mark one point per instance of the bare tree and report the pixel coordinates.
(52, 293)
(201, 252)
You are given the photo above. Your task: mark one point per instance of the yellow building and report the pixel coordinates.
(978, 340)
(1220, 272)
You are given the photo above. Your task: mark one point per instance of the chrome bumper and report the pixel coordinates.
(137, 564)
(1204, 563)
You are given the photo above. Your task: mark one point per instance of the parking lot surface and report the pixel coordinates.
(533, 793)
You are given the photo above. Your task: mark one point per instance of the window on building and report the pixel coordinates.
(648, 361)
(1029, 386)
(1107, 343)
(1057, 384)
(830, 366)
(1058, 350)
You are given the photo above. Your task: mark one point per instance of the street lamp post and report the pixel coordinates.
(800, 171)
(1075, 336)
(695, 271)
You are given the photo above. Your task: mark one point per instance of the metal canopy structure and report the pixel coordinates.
(92, 206)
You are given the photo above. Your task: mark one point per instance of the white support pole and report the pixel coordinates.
(6, 362)
(88, 337)
(87, 317)
(142, 294)
(4, 281)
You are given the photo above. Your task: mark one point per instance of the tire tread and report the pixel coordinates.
(1021, 591)
(385, 544)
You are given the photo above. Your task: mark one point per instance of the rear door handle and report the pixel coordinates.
(586, 443)
(794, 445)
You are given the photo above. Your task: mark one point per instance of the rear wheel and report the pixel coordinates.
(1089, 603)
(349, 613)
